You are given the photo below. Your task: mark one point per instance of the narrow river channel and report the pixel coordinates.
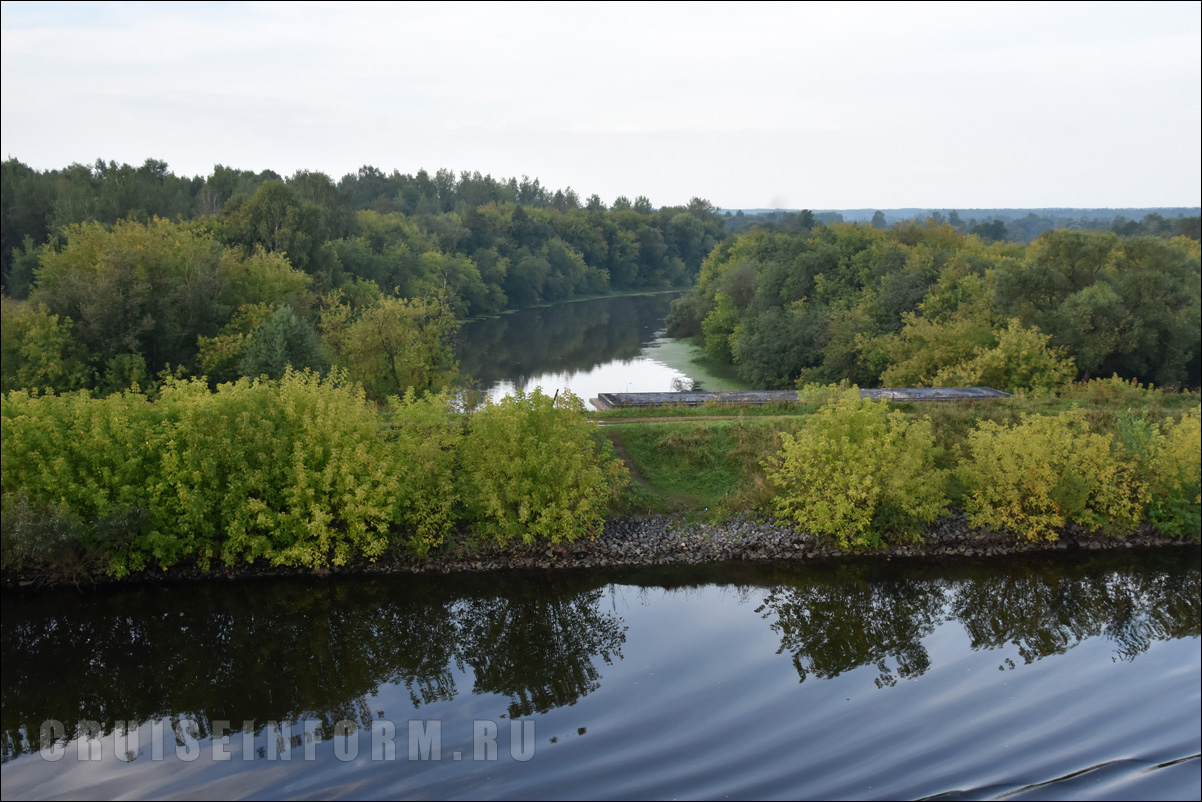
(603, 345)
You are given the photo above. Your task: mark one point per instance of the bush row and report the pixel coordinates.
(867, 475)
(303, 471)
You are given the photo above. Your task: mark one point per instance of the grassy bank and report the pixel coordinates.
(1026, 465)
(701, 467)
(306, 473)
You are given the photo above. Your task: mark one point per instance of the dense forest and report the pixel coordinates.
(492, 243)
(923, 304)
(114, 274)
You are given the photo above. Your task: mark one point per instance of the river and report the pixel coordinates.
(1047, 676)
(615, 344)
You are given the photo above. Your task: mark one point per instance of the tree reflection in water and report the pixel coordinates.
(847, 615)
(289, 650)
(565, 337)
(285, 651)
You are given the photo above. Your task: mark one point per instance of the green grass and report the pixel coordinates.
(1101, 405)
(708, 409)
(706, 467)
(713, 468)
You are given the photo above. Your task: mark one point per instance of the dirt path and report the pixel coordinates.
(676, 499)
(620, 448)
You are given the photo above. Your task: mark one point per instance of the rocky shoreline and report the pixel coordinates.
(663, 540)
(640, 542)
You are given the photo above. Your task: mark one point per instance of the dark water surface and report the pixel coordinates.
(1056, 676)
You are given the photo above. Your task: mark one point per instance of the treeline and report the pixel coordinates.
(295, 472)
(129, 272)
(992, 225)
(925, 305)
(496, 243)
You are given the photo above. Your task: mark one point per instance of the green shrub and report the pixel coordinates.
(45, 537)
(40, 351)
(79, 467)
(860, 473)
(1174, 463)
(425, 440)
(536, 468)
(1020, 362)
(292, 471)
(1112, 392)
(816, 395)
(1033, 477)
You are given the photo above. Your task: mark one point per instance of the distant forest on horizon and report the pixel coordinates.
(1010, 225)
(38, 204)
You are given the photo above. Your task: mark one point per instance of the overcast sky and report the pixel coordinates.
(820, 106)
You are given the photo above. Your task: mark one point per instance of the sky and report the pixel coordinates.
(822, 106)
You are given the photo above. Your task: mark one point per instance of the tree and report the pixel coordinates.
(19, 278)
(687, 240)
(277, 218)
(39, 351)
(1129, 307)
(394, 344)
(991, 232)
(878, 219)
(149, 289)
(153, 289)
(26, 204)
(283, 341)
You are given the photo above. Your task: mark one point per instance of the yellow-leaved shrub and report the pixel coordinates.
(292, 471)
(537, 468)
(424, 440)
(859, 473)
(1033, 477)
(1174, 470)
(78, 476)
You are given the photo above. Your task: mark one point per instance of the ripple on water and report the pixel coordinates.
(1036, 677)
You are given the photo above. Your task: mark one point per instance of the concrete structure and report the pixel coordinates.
(756, 397)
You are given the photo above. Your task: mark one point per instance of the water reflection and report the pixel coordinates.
(602, 345)
(541, 653)
(848, 618)
(297, 650)
(849, 615)
(1045, 612)
(324, 650)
